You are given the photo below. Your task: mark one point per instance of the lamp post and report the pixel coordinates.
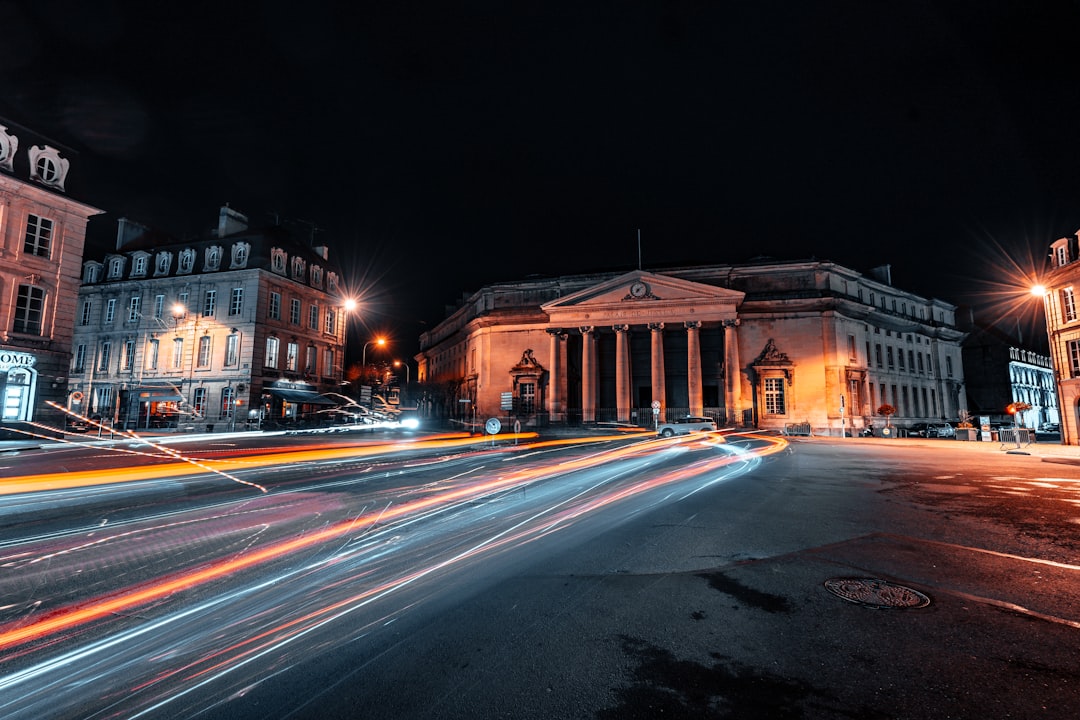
(380, 342)
(402, 363)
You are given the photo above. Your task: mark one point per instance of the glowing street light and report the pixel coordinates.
(379, 342)
(400, 363)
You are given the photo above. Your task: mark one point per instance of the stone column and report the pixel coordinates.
(588, 374)
(622, 373)
(659, 389)
(732, 373)
(556, 380)
(693, 366)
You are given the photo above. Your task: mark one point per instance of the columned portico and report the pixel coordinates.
(625, 362)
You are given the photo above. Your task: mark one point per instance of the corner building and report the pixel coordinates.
(791, 346)
(42, 234)
(1062, 285)
(244, 328)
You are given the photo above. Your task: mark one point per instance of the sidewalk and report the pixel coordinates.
(1047, 451)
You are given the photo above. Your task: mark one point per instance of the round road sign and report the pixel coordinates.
(493, 426)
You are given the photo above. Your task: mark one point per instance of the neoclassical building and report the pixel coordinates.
(1062, 285)
(42, 234)
(767, 344)
(243, 327)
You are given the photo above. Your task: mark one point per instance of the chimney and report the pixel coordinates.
(230, 221)
(882, 273)
(126, 231)
(322, 251)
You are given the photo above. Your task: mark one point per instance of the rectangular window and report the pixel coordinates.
(852, 352)
(133, 309)
(900, 358)
(774, 396)
(84, 316)
(948, 366)
(198, 401)
(232, 350)
(527, 397)
(331, 318)
(182, 301)
(896, 401)
(1074, 357)
(1068, 304)
(884, 397)
(178, 353)
(80, 359)
(309, 362)
(228, 402)
(129, 355)
(209, 303)
(29, 310)
(152, 350)
(933, 404)
(877, 354)
(39, 232)
(204, 352)
(271, 359)
(911, 360)
(889, 356)
(292, 356)
(294, 311)
(103, 359)
(926, 407)
(274, 311)
(313, 316)
(328, 363)
(236, 301)
(103, 403)
(159, 306)
(110, 310)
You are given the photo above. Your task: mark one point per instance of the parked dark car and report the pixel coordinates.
(75, 425)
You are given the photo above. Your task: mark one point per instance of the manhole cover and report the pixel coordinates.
(876, 593)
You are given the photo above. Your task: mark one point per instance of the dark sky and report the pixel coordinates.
(443, 146)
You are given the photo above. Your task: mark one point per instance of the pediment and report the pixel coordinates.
(641, 294)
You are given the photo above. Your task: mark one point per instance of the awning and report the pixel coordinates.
(158, 393)
(300, 397)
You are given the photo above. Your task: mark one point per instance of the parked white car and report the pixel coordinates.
(685, 425)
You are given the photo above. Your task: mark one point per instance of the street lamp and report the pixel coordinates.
(380, 342)
(401, 363)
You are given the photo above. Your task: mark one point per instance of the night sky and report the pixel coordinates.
(441, 147)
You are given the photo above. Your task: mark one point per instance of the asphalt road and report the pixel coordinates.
(705, 597)
(716, 606)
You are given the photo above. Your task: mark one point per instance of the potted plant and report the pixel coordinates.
(888, 411)
(965, 429)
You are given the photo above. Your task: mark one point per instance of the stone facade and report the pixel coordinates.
(1061, 286)
(42, 234)
(243, 328)
(770, 345)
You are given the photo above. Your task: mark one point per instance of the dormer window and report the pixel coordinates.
(186, 261)
(9, 145)
(139, 264)
(332, 282)
(116, 268)
(298, 267)
(47, 167)
(212, 260)
(163, 263)
(240, 252)
(277, 260)
(316, 276)
(91, 272)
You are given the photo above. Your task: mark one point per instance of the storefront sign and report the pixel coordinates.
(10, 359)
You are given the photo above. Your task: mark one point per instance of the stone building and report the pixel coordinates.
(998, 372)
(1063, 331)
(42, 233)
(798, 346)
(242, 328)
